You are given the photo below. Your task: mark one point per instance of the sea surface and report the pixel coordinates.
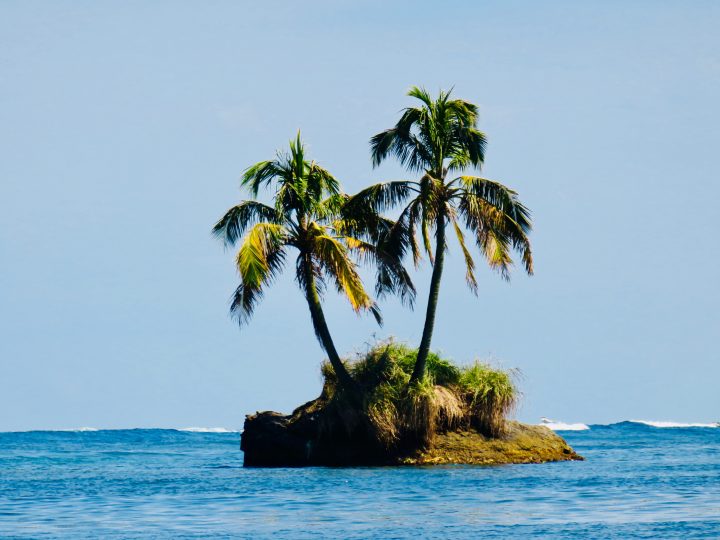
(639, 481)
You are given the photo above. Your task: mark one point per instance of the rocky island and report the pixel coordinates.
(461, 421)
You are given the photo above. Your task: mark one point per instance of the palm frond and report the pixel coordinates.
(261, 242)
(331, 208)
(320, 183)
(497, 253)
(391, 275)
(236, 220)
(425, 228)
(429, 200)
(469, 262)
(466, 148)
(420, 93)
(411, 150)
(378, 198)
(509, 218)
(462, 112)
(260, 175)
(259, 260)
(501, 197)
(496, 233)
(333, 257)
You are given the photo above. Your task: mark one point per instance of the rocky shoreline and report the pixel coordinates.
(271, 439)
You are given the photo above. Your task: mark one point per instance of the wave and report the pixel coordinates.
(555, 425)
(120, 430)
(667, 424)
(58, 430)
(208, 430)
(562, 426)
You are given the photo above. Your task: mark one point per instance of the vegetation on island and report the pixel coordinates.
(455, 415)
(401, 415)
(394, 396)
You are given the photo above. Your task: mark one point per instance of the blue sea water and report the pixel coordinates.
(638, 482)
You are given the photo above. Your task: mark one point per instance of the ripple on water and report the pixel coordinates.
(637, 480)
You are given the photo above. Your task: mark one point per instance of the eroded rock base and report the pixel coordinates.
(271, 439)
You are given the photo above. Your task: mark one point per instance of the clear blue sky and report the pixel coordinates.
(124, 127)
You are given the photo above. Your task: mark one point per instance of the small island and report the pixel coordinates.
(394, 404)
(458, 419)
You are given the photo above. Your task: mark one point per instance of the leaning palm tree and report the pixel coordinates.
(440, 138)
(304, 216)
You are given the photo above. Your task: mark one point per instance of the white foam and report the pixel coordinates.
(208, 430)
(562, 426)
(667, 424)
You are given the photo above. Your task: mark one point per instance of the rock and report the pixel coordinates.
(271, 439)
(522, 444)
(267, 442)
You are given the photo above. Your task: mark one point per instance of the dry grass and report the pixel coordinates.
(491, 396)
(396, 414)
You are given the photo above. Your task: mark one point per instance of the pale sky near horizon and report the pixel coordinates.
(124, 127)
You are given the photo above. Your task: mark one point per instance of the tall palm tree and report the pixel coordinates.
(304, 216)
(440, 138)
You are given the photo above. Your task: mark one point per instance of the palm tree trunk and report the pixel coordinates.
(323, 333)
(420, 363)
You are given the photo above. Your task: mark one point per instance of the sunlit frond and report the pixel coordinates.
(469, 262)
(497, 253)
(333, 256)
(261, 242)
(259, 261)
(496, 233)
(501, 197)
(330, 209)
(491, 208)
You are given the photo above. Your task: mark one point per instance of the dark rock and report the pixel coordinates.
(271, 439)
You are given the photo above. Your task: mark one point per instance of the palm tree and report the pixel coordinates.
(440, 138)
(304, 216)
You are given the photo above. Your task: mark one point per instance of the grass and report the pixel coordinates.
(395, 414)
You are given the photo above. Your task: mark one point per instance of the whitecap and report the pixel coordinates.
(562, 426)
(667, 424)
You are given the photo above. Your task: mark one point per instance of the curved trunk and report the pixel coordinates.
(323, 333)
(420, 363)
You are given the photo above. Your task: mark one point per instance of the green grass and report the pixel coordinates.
(490, 395)
(395, 414)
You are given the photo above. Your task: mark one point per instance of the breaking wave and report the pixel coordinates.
(556, 425)
(667, 424)
(562, 426)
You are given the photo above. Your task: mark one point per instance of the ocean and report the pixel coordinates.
(638, 481)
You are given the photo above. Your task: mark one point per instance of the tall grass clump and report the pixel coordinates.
(397, 413)
(490, 395)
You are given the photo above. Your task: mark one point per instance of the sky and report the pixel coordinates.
(125, 126)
